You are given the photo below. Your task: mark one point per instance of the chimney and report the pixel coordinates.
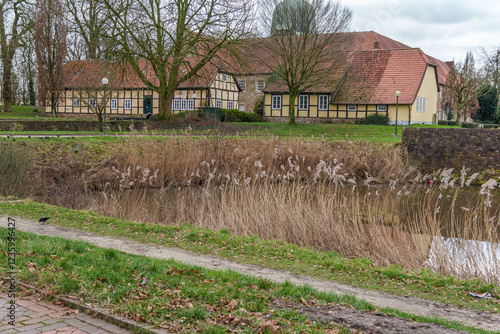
(376, 45)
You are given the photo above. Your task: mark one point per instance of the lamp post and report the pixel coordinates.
(398, 94)
(105, 83)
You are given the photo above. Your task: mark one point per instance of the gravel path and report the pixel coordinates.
(484, 320)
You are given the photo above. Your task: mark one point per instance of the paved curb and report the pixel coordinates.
(114, 319)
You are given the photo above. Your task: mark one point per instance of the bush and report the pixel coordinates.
(258, 107)
(476, 125)
(375, 119)
(452, 123)
(233, 115)
(16, 170)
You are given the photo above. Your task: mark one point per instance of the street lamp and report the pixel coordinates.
(398, 94)
(105, 83)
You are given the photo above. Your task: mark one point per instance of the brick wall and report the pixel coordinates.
(433, 149)
(250, 95)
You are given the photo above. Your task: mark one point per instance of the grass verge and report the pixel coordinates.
(170, 294)
(273, 254)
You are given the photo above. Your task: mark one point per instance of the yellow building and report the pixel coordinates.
(366, 87)
(126, 94)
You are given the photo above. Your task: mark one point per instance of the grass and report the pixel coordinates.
(172, 295)
(273, 254)
(353, 132)
(22, 112)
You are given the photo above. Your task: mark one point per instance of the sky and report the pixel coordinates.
(444, 29)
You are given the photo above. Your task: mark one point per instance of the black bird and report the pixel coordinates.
(43, 219)
(29, 136)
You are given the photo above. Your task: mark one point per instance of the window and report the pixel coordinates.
(218, 103)
(303, 102)
(241, 107)
(276, 102)
(242, 83)
(323, 102)
(230, 105)
(224, 77)
(114, 103)
(190, 104)
(128, 104)
(76, 102)
(382, 107)
(260, 85)
(420, 104)
(176, 104)
(183, 104)
(352, 107)
(92, 102)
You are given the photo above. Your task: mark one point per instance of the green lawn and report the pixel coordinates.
(22, 112)
(272, 254)
(375, 133)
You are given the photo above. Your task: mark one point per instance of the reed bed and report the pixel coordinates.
(356, 198)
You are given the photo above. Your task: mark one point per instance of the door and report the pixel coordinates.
(148, 104)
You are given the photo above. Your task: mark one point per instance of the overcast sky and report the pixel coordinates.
(444, 29)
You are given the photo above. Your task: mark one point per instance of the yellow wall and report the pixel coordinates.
(429, 90)
(406, 113)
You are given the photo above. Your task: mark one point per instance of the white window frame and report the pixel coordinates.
(230, 104)
(92, 102)
(76, 102)
(276, 102)
(114, 104)
(352, 107)
(242, 84)
(127, 104)
(190, 104)
(421, 101)
(176, 104)
(218, 103)
(259, 85)
(323, 102)
(241, 107)
(382, 107)
(183, 104)
(303, 102)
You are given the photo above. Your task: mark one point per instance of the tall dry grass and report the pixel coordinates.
(312, 193)
(18, 176)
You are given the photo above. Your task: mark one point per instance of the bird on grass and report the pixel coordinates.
(43, 219)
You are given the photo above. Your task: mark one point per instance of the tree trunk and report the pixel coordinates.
(166, 103)
(7, 85)
(293, 96)
(31, 89)
(101, 123)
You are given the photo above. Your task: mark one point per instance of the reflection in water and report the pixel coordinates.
(465, 258)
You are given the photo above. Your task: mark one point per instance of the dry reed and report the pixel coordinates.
(312, 193)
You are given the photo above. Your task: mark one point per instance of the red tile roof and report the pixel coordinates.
(372, 77)
(89, 73)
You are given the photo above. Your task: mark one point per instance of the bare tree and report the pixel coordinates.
(462, 89)
(491, 67)
(15, 23)
(168, 42)
(27, 68)
(302, 44)
(88, 26)
(50, 45)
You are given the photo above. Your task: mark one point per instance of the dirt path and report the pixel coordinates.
(416, 306)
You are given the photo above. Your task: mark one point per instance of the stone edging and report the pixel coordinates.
(114, 319)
